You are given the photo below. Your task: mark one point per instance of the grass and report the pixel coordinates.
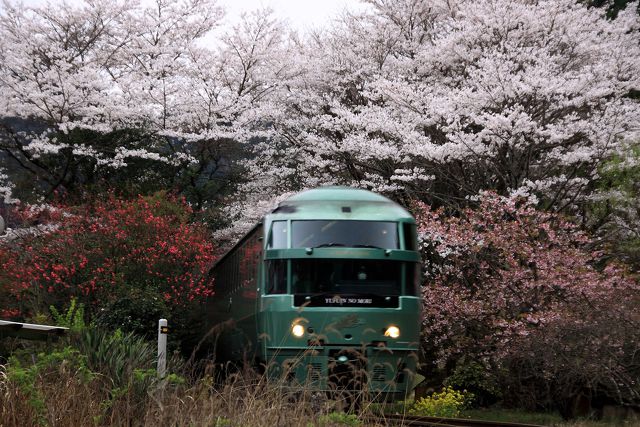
(64, 395)
(108, 379)
(55, 393)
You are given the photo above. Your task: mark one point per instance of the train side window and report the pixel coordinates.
(277, 276)
(410, 236)
(278, 237)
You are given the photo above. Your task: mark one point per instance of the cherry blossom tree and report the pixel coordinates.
(517, 291)
(6, 188)
(438, 100)
(109, 91)
(227, 92)
(53, 62)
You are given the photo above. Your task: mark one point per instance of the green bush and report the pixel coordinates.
(136, 310)
(72, 318)
(472, 376)
(339, 418)
(27, 375)
(116, 354)
(448, 403)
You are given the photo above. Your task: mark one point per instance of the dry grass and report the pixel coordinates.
(64, 397)
(65, 387)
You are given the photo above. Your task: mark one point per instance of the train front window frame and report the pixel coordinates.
(278, 236)
(410, 235)
(412, 279)
(344, 233)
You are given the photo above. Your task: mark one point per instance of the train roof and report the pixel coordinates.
(338, 194)
(339, 203)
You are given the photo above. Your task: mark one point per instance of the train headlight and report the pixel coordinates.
(392, 331)
(297, 330)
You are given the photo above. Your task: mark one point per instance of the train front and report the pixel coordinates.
(339, 306)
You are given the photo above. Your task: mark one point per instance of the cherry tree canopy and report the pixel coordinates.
(439, 99)
(435, 100)
(514, 290)
(86, 90)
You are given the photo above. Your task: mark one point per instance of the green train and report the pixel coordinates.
(325, 292)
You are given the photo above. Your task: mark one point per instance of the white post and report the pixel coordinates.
(163, 330)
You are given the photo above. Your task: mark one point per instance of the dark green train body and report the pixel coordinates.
(325, 292)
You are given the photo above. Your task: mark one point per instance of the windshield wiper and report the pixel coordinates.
(329, 245)
(367, 246)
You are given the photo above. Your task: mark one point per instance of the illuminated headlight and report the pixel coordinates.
(392, 331)
(297, 330)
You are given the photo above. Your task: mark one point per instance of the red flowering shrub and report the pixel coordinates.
(104, 251)
(515, 291)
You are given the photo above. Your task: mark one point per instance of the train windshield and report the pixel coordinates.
(346, 276)
(354, 234)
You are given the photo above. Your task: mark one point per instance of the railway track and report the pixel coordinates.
(409, 420)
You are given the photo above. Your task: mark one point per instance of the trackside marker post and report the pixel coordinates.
(163, 330)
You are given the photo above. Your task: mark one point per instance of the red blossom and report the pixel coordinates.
(106, 246)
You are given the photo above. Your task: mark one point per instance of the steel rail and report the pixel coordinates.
(411, 420)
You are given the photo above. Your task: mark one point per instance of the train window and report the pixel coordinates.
(278, 236)
(413, 279)
(410, 236)
(277, 276)
(348, 276)
(363, 234)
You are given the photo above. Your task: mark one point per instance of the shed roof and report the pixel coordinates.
(30, 330)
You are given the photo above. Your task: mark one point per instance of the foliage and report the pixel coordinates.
(448, 403)
(115, 354)
(472, 376)
(339, 418)
(614, 214)
(118, 368)
(26, 376)
(515, 290)
(72, 319)
(134, 389)
(6, 190)
(70, 402)
(111, 370)
(248, 401)
(111, 254)
(428, 100)
(137, 311)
